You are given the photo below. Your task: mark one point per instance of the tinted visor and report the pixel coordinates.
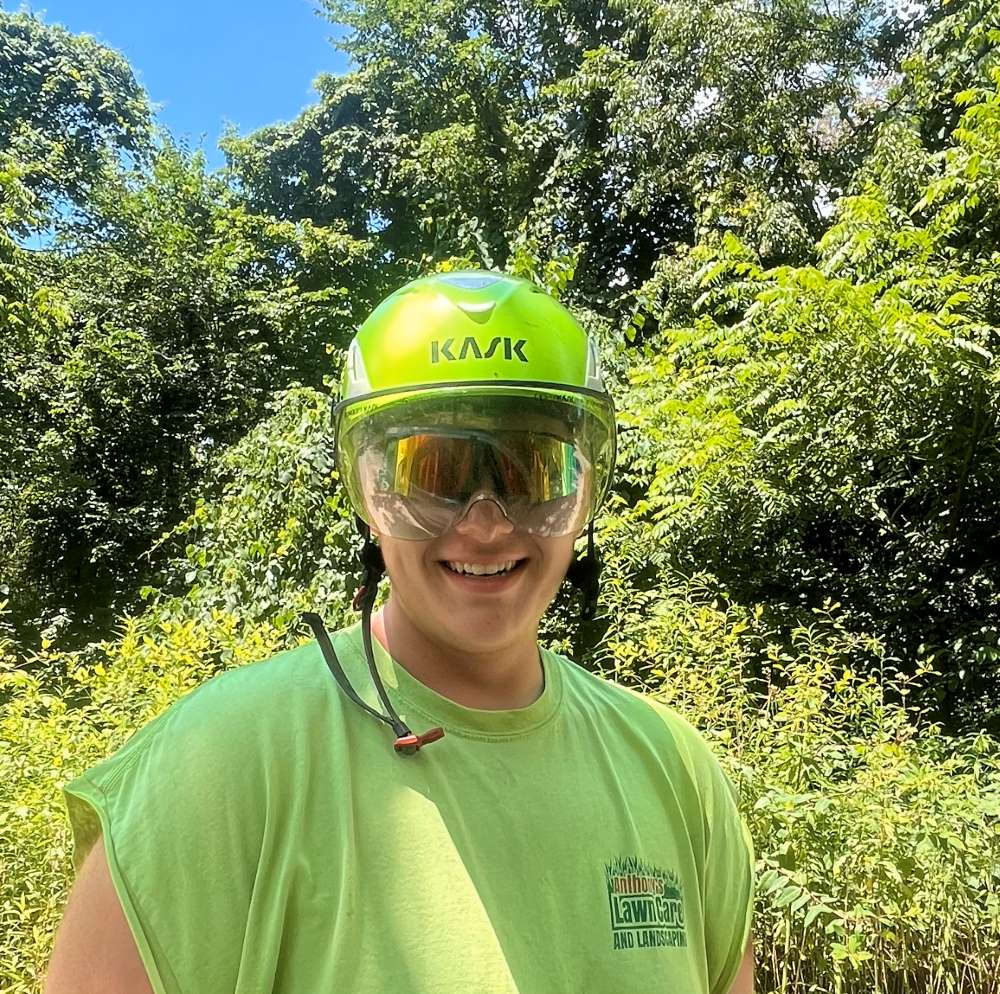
(525, 465)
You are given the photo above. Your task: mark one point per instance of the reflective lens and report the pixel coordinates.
(524, 465)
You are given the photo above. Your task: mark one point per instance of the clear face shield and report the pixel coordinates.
(415, 466)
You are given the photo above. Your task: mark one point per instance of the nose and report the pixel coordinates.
(484, 521)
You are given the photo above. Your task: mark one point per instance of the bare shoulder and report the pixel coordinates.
(94, 949)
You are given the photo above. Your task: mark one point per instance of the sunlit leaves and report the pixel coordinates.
(68, 107)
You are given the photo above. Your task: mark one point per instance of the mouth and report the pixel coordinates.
(485, 582)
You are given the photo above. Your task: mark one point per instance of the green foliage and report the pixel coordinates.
(147, 337)
(742, 111)
(68, 107)
(606, 129)
(278, 540)
(179, 313)
(956, 50)
(831, 431)
(880, 841)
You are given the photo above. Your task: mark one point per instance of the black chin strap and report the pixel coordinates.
(407, 743)
(585, 574)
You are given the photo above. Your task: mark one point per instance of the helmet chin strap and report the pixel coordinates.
(583, 573)
(407, 743)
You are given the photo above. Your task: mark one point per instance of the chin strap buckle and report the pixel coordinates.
(410, 744)
(359, 598)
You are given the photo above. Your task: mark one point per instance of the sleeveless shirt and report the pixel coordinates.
(262, 835)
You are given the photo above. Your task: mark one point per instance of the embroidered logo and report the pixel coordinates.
(647, 904)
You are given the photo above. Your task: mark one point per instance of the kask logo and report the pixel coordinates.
(646, 903)
(443, 350)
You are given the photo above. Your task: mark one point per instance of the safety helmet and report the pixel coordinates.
(458, 376)
(461, 387)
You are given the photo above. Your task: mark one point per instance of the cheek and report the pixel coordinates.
(558, 560)
(408, 570)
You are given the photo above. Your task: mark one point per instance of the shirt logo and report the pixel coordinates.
(646, 904)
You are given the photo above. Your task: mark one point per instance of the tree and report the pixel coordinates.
(831, 432)
(609, 129)
(69, 107)
(180, 314)
(150, 332)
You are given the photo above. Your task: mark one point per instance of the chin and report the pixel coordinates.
(482, 634)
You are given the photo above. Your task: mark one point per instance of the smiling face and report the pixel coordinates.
(468, 615)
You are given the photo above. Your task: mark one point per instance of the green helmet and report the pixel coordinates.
(480, 363)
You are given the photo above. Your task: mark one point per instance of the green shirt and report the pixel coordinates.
(262, 835)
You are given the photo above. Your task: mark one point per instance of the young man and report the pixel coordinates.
(526, 826)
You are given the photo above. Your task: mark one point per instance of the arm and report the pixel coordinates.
(743, 982)
(94, 950)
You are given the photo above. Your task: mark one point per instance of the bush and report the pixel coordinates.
(878, 837)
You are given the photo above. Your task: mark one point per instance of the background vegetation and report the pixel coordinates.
(781, 220)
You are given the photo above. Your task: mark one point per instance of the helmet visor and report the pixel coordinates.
(413, 466)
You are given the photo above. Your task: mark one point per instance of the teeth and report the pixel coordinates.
(478, 570)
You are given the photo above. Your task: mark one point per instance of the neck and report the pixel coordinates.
(510, 677)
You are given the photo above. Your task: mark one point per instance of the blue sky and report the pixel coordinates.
(206, 63)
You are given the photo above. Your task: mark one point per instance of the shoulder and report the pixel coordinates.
(189, 805)
(649, 725)
(600, 692)
(224, 727)
(248, 719)
(209, 757)
(257, 694)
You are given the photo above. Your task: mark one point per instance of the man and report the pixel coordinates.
(527, 827)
